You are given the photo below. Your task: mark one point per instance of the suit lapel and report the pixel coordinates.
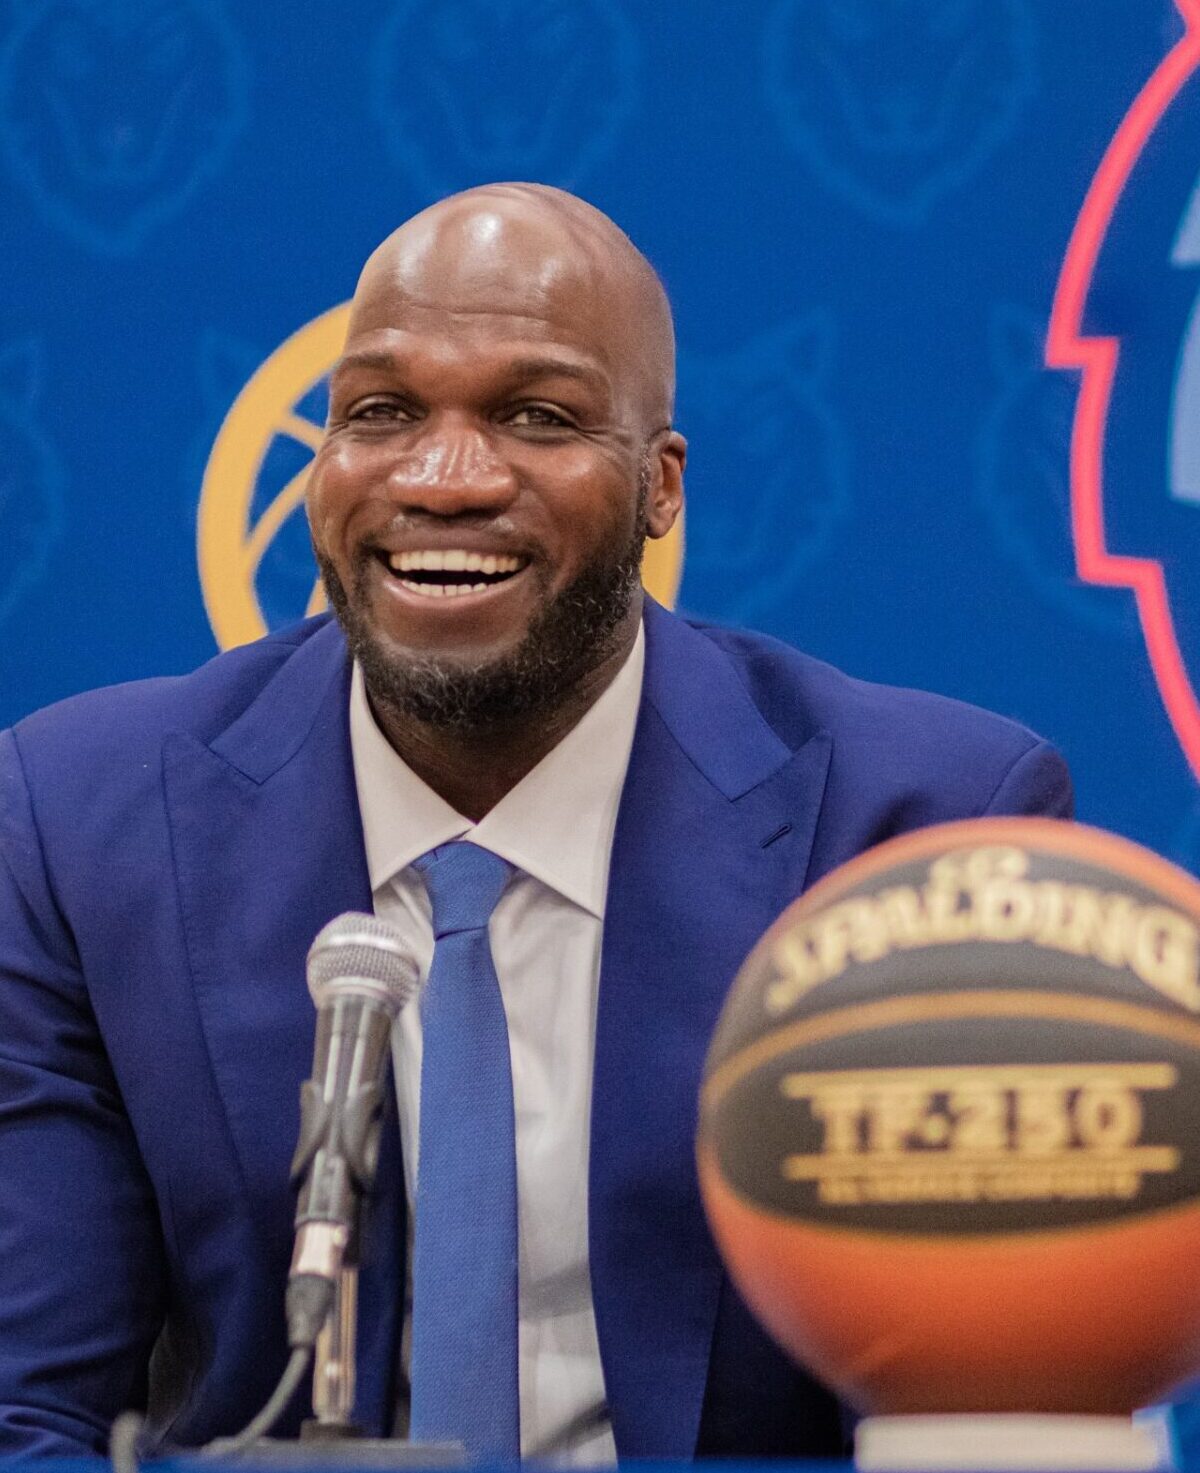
(713, 838)
(268, 847)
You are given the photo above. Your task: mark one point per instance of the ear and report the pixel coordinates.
(665, 499)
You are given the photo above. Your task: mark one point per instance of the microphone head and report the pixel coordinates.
(361, 955)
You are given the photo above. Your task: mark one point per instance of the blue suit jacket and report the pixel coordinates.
(169, 849)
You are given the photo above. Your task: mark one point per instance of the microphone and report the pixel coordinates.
(360, 975)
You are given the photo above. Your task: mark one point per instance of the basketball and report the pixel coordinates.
(949, 1134)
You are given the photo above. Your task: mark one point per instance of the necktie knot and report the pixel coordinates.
(464, 884)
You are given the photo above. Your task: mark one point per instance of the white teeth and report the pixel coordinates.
(452, 560)
(444, 590)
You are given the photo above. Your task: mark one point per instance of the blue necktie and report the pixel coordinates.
(464, 1316)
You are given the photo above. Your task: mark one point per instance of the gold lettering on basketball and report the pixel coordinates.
(894, 1117)
(980, 1113)
(840, 1111)
(1108, 1115)
(977, 1133)
(1005, 910)
(1043, 1121)
(1164, 953)
(985, 894)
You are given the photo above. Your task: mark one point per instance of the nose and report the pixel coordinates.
(452, 468)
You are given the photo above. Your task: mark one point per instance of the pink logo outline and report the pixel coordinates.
(1067, 347)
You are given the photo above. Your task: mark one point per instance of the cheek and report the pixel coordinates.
(336, 494)
(594, 502)
(317, 505)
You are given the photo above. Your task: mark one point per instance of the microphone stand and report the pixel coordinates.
(331, 1437)
(334, 1367)
(360, 976)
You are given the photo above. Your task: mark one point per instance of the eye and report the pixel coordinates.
(377, 410)
(538, 416)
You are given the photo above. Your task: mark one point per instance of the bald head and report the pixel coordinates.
(532, 250)
(497, 450)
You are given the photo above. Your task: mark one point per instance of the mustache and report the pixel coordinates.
(405, 523)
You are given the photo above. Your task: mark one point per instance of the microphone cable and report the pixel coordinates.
(260, 1425)
(125, 1449)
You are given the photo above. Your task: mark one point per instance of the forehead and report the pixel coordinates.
(488, 273)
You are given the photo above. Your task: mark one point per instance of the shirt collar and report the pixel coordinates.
(557, 823)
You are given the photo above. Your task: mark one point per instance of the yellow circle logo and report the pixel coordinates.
(237, 526)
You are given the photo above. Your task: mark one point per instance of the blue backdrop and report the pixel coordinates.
(861, 209)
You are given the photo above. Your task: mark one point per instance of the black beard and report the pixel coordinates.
(570, 636)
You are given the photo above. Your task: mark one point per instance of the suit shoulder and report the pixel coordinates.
(120, 720)
(930, 752)
(790, 686)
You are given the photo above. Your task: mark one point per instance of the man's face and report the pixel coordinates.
(476, 502)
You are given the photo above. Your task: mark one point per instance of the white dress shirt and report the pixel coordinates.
(556, 828)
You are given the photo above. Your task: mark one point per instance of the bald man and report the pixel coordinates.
(505, 392)
(499, 446)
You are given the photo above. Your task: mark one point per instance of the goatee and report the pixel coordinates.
(571, 635)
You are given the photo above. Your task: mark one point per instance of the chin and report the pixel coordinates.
(400, 650)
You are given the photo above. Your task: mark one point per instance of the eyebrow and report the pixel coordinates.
(533, 368)
(365, 358)
(523, 369)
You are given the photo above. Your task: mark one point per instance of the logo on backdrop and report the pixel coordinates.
(1022, 480)
(894, 105)
(1127, 315)
(256, 567)
(31, 513)
(790, 452)
(113, 112)
(467, 90)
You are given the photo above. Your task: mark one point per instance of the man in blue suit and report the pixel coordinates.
(499, 445)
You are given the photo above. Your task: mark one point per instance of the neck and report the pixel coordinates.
(472, 770)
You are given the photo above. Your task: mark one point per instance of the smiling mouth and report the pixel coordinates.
(451, 572)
